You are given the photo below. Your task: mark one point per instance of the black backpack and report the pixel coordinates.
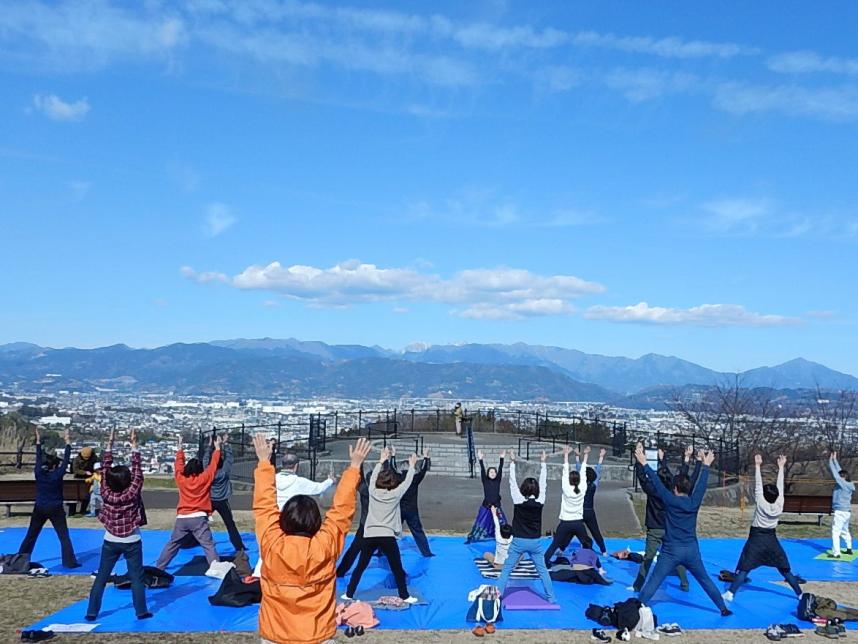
(233, 592)
(152, 578)
(602, 615)
(806, 606)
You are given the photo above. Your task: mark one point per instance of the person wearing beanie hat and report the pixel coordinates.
(83, 466)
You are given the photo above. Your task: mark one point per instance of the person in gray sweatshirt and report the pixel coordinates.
(383, 524)
(222, 491)
(841, 503)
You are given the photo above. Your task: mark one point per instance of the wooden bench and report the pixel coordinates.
(23, 492)
(808, 504)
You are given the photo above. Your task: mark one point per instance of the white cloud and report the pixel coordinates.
(736, 215)
(478, 293)
(706, 315)
(219, 217)
(645, 84)
(808, 62)
(669, 47)
(57, 109)
(826, 103)
(557, 78)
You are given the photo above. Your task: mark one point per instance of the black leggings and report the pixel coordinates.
(592, 524)
(390, 549)
(351, 554)
(563, 535)
(223, 508)
(57, 516)
(786, 573)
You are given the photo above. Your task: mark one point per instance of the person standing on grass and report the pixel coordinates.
(195, 505)
(49, 472)
(571, 508)
(484, 524)
(122, 515)
(680, 545)
(222, 491)
(762, 547)
(300, 551)
(593, 475)
(841, 503)
(529, 501)
(384, 524)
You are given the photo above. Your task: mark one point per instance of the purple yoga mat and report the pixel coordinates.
(526, 599)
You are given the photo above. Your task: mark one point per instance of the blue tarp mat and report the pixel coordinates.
(444, 582)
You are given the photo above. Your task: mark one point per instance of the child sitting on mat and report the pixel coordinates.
(300, 551)
(122, 515)
(503, 537)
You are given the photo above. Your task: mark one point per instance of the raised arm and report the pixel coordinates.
(483, 476)
(758, 479)
(266, 513)
(514, 493)
(835, 471)
(643, 479)
(500, 466)
(402, 488)
(60, 472)
(700, 484)
(494, 512)
(543, 481)
(179, 465)
(228, 459)
(780, 481)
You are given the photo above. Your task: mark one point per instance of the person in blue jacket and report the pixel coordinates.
(49, 502)
(680, 546)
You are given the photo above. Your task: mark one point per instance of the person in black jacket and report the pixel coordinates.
(353, 551)
(49, 502)
(654, 521)
(484, 525)
(409, 503)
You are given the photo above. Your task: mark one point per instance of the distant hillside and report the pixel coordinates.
(297, 368)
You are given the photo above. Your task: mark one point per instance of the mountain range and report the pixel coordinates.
(290, 367)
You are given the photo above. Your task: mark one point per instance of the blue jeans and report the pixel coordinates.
(532, 548)
(110, 553)
(673, 555)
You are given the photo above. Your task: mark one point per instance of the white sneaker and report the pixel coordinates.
(345, 597)
(727, 596)
(630, 588)
(411, 600)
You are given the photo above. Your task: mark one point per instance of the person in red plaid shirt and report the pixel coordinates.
(122, 515)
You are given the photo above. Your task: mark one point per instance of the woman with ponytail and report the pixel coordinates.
(571, 508)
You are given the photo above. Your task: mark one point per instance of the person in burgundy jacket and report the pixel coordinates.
(122, 515)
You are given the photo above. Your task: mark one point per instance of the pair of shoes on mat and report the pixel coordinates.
(670, 630)
(481, 631)
(599, 636)
(830, 631)
(351, 631)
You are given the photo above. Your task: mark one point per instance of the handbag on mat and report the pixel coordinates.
(486, 607)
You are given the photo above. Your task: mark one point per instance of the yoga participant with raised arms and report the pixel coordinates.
(571, 508)
(529, 500)
(593, 475)
(484, 524)
(680, 545)
(841, 503)
(762, 547)
(384, 524)
(300, 552)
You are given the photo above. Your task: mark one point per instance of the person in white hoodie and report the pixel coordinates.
(289, 484)
(571, 508)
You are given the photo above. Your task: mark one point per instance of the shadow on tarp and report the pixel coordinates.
(444, 581)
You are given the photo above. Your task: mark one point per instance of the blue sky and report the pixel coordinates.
(599, 176)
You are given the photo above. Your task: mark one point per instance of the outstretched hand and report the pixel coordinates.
(412, 460)
(543, 456)
(660, 454)
(587, 450)
(262, 447)
(384, 455)
(566, 451)
(781, 461)
(133, 439)
(426, 453)
(38, 435)
(640, 455)
(602, 453)
(179, 443)
(689, 452)
(512, 455)
(358, 453)
(708, 458)
(480, 454)
(67, 437)
(758, 460)
(503, 453)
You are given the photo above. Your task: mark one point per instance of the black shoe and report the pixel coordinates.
(350, 632)
(90, 618)
(848, 551)
(359, 631)
(76, 564)
(726, 612)
(599, 636)
(145, 616)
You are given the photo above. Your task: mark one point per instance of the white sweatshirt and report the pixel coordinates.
(572, 504)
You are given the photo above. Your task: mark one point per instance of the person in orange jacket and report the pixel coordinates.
(300, 553)
(195, 505)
